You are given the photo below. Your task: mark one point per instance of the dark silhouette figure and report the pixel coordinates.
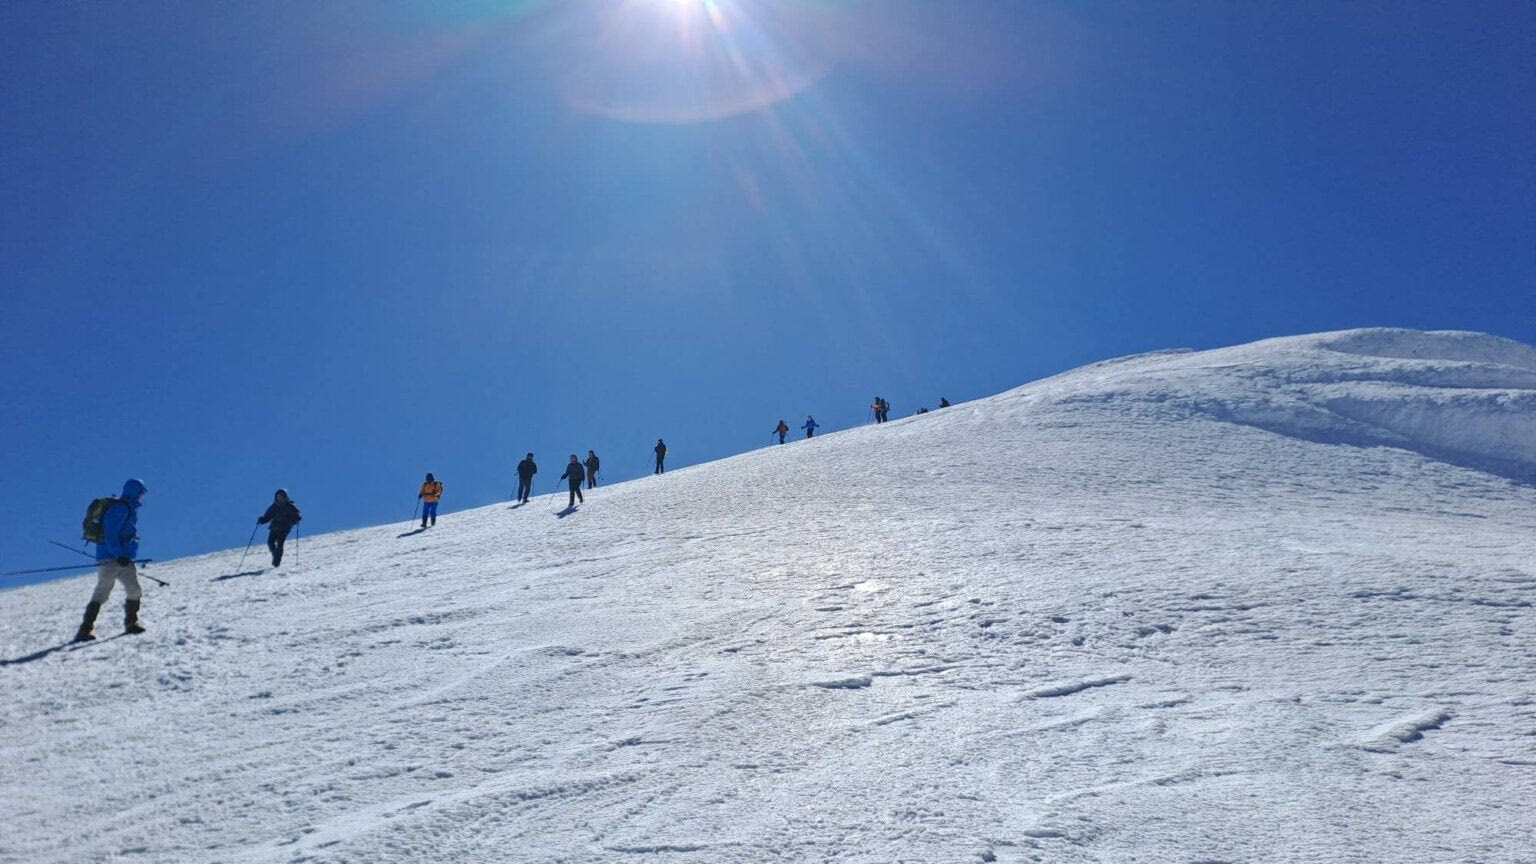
(525, 471)
(661, 456)
(573, 475)
(283, 515)
(592, 463)
(781, 430)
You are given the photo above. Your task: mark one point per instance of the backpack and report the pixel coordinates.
(91, 528)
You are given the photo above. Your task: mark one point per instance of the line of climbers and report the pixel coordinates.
(576, 472)
(880, 408)
(112, 523)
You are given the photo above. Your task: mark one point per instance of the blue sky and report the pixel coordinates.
(332, 246)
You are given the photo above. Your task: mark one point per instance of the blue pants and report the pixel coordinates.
(428, 508)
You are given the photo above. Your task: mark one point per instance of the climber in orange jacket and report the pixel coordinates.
(431, 493)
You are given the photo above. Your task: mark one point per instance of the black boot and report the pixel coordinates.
(89, 621)
(131, 617)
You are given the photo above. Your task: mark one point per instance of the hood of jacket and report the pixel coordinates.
(132, 490)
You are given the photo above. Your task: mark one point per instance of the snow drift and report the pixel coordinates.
(1466, 398)
(1265, 603)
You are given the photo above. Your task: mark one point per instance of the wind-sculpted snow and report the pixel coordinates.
(1447, 345)
(1465, 398)
(1178, 607)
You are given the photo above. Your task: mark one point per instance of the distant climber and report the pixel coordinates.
(592, 463)
(882, 409)
(525, 471)
(283, 515)
(431, 493)
(810, 426)
(661, 456)
(781, 430)
(943, 403)
(117, 544)
(573, 476)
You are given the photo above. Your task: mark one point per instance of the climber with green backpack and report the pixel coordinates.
(112, 524)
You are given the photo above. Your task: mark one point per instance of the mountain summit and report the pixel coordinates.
(1264, 603)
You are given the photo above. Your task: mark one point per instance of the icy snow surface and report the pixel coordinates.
(1266, 603)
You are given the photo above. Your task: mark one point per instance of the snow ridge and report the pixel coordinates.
(1386, 738)
(1464, 398)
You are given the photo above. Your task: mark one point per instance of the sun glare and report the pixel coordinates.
(689, 61)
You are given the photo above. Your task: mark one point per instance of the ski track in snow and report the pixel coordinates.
(1170, 608)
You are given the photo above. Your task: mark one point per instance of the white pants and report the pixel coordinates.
(109, 572)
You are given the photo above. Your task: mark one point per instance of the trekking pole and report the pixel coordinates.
(241, 567)
(414, 509)
(47, 570)
(70, 548)
(72, 567)
(149, 577)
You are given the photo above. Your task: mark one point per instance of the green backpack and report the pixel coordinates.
(92, 530)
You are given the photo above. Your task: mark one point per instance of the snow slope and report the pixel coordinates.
(1266, 603)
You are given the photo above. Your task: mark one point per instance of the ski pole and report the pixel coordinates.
(414, 509)
(241, 567)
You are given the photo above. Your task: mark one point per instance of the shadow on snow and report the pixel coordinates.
(38, 655)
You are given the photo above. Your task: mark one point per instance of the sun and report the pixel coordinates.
(689, 61)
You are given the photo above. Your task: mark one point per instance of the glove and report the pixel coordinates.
(124, 561)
